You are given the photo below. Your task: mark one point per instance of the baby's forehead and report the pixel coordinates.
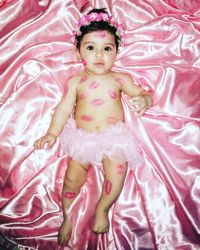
(99, 37)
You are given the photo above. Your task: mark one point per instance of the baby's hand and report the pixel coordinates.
(140, 104)
(49, 138)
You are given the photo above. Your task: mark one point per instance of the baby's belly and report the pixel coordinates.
(96, 121)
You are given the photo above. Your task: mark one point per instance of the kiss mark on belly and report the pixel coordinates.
(112, 94)
(70, 195)
(111, 120)
(100, 34)
(87, 118)
(83, 79)
(83, 95)
(94, 85)
(108, 187)
(96, 102)
(119, 80)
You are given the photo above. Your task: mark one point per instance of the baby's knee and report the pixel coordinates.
(73, 182)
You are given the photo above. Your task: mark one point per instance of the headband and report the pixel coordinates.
(97, 17)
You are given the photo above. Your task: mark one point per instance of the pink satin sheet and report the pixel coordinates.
(159, 207)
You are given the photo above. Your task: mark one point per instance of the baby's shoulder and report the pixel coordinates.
(122, 77)
(74, 80)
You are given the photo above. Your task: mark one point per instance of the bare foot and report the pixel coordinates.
(101, 222)
(64, 233)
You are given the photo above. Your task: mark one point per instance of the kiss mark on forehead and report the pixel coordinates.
(100, 34)
(108, 187)
(112, 94)
(97, 102)
(83, 79)
(70, 195)
(87, 118)
(94, 85)
(119, 80)
(111, 120)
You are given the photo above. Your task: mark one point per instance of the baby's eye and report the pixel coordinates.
(90, 47)
(108, 48)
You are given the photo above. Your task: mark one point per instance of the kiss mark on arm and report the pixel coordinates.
(119, 80)
(108, 187)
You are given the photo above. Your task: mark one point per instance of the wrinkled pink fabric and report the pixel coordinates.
(159, 207)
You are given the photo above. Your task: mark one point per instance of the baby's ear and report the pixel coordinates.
(78, 55)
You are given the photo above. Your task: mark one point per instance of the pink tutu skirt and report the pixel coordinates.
(116, 143)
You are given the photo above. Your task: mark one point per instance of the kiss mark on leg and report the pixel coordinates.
(97, 102)
(94, 85)
(70, 195)
(120, 169)
(83, 79)
(108, 187)
(100, 34)
(112, 94)
(119, 80)
(87, 118)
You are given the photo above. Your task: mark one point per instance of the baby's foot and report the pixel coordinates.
(64, 233)
(101, 222)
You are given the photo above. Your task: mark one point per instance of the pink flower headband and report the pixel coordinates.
(97, 17)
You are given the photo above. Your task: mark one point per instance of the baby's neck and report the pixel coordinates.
(90, 74)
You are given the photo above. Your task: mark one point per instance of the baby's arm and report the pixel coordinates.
(60, 117)
(140, 99)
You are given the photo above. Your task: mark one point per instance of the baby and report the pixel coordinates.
(93, 117)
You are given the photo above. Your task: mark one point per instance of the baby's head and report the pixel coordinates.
(98, 20)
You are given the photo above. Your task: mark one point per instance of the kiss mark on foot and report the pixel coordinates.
(96, 102)
(70, 195)
(87, 118)
(108, 187)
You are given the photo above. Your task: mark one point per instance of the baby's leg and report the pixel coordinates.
(115, 173)
(74, 178)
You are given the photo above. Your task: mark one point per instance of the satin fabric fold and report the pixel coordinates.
(159, 207)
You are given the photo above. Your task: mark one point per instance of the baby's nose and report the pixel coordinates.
(98, 53)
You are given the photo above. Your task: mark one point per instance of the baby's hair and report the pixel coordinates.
(96, 26)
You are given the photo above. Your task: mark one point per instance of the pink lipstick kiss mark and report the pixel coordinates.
(83, 79)
(84, 95)
(87, 118)
(84, 62)
(70, 195)
(111, 120)
(65, 91)
(100, 34)
(108, 187)
(94, 85)
(120, 169)
(97, 102)
(112, 94)
(119, 80)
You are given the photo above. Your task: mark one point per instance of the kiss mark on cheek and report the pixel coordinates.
(87, 118)
(94, 85)
(120, 169)
(108, 187)
(70, 195)
(84, 62)
(83, 79)
(111, 120)
(83, 95)
(100, 34)
(112, 94)
(96, 102)
(119, 80)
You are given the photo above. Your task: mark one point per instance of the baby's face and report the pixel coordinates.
(98, 52)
